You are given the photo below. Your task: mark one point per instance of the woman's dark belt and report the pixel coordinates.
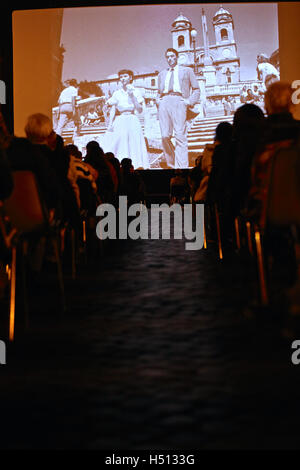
(127, 112)
(175, 93)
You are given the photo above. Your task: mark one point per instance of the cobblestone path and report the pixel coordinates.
(156, 351)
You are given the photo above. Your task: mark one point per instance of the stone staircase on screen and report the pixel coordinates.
(201, 132)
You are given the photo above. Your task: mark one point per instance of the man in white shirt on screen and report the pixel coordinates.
(266, 72)
(178, 89)
(66, 102)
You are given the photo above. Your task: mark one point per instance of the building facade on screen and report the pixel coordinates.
(214, 64)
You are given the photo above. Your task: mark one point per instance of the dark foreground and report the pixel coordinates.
(161, 348)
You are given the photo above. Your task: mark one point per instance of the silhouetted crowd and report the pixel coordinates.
(249, 182)
(251, 174)
(70, 187)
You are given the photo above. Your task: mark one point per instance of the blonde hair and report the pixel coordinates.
(278, 97)
(38, 128)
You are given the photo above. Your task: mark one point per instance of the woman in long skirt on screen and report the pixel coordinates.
(124, 136)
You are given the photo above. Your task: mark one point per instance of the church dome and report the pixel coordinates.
(181, 22)
(222, 13)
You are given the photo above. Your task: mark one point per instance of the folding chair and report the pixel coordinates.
(237, 233)
(261, 267)
(28, 217)
(218, 225)
(177, 194)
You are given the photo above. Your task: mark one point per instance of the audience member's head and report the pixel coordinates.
(92, 145)
(246, 117)
(93, 150)
(73, 150)
(55, 142)
(126, 161)
(223, 132)
(126, 164)
(39, 129)
(278, 98)
(110, 156)
(95, 156)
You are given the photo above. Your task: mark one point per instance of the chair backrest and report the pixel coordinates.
(87, 195)
(24, 207)
(284, 187)
(177, 190)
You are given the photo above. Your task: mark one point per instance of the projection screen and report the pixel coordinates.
(66, 63)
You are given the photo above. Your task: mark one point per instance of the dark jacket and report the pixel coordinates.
(281, 126)
(23, 155)
(6, 181)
